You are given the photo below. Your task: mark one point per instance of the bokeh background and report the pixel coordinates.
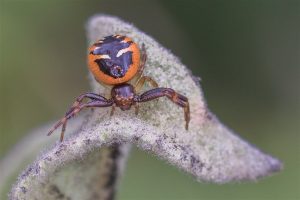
(247, 54)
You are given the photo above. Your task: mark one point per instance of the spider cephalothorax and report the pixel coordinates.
(124, 96)
(116, 60)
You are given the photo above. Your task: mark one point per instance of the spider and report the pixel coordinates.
(117, 61)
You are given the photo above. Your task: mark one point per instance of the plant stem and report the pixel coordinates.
(113, 160)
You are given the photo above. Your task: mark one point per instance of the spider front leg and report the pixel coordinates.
(175, 97)
(89, 95)
(77, 102)
(97, 101)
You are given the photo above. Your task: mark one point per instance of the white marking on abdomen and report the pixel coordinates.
(122, 51)
(105, 56)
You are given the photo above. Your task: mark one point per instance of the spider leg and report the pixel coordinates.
(141, 82)
(140, 79)
(74, 110)
(142, 63)
(175, 97)
(77, 102)
(63, 129)
(143, 59)
(112, 110)
(89, 95)
(136, 109)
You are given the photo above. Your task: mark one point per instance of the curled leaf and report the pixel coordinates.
(209, 151)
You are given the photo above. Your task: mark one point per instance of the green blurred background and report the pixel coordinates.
(246, 52)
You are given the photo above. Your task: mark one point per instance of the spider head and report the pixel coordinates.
(123, 96)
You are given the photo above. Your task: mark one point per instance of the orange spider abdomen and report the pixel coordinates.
(114, 59)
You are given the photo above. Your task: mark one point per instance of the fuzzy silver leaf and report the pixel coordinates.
(208, 150)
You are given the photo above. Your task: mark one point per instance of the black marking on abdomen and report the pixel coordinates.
(111, 46)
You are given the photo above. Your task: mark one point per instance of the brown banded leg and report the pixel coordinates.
(142, 64)
(143, 58)
(141, 83)
(74, 110)
(89, 95)
(112, 110)
(136, 108)
(63, 129)
(142, 79)
(78, 101)
(177, 98)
